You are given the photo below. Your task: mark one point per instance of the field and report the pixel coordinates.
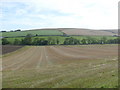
(78, 66)
(90, 32)
(9, 48)
(33, 32)
(60, 31)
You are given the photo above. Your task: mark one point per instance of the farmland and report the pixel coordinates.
(33, 32)
(55, 58)
(78, 66)
(61, 34)
(61, 31)
(9, 48)
(89, 32)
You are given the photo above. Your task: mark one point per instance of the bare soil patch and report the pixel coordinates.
(9, 48)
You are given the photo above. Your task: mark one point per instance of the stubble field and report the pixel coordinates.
(80, 66)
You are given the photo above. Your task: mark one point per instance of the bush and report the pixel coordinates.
(5, 41)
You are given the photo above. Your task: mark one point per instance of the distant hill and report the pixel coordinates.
(83, 31)
(61, 31)
(77, 31)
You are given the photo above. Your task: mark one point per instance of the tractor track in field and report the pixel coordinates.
(60, 66)
(67, 80)
(39, 56)
(17, 62)
(40, 60)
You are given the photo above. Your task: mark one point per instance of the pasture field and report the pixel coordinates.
(80, 66)
(33, 32)
(94, 37)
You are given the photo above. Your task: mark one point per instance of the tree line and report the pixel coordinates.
(68, 41)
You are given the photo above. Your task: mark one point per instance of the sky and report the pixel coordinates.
(35, 14)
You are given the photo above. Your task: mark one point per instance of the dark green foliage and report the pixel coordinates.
(40, 41)
(35, 41)
(53, 42)
(84, 41)
(104, 40)
(16, 42)
(5, 41)
(49, 40)
(36, 34)
(57, 41)
(27, 40)
(71, 41)
(119, 40)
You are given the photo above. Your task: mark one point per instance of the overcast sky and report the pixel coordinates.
(32, 14)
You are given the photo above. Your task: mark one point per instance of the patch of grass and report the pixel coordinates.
(77, 74)
(33, 32)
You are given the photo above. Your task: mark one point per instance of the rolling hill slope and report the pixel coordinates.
(33, 32)
(75, 31)
(61, 31)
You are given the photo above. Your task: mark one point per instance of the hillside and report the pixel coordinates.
(60, 31)
(33, 32)
(77, 31)
(83, 31)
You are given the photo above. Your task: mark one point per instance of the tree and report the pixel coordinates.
(16, 42)
(27, 40)
(45, 42)
(35, 41)
(41, 41)
(104, 40)
(36, 35)
(17, 30)
(5, 41)
(66, 42)
(53, 42)
(49, 40)
(84, 41)
(76, 41)
(71, 41)
(94, 41)
(3, 31)
(90, 40)
(118, 40)
(22, 42)
(57, 41)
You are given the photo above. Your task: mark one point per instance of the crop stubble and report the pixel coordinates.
(62, 66)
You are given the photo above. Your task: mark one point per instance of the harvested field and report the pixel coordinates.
(82, 66)
(9, 48)
(90, 32)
